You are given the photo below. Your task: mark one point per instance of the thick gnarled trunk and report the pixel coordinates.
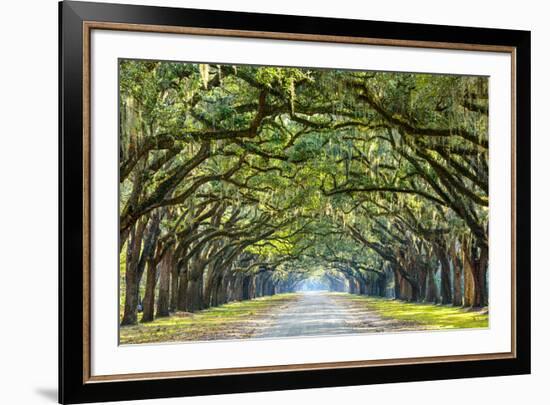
(133, 251)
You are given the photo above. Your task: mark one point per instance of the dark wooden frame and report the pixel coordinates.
(76, 19)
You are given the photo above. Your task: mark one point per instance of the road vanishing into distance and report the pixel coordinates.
(323, 313)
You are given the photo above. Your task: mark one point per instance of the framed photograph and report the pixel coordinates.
(254, 202)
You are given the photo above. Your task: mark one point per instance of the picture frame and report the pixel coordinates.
(77, 383)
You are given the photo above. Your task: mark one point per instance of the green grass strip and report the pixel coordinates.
(234, 320)
(431, 315)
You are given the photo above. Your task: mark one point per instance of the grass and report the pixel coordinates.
(430, 315)
(241, 320)
(236, 320)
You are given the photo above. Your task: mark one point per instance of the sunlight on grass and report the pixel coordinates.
(433, 316)
(235, 320)
(241, 320)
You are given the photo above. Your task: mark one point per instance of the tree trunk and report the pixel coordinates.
(130, 302)
(431, 286)
(149, 298)
(236, 292)
(410, 291)
(382, 283)
(414, 292)
(224, 289)
(132, 286)
(174, 290)
(163, 303)
(149, 237)
(213, 280)
(480, 273)
(469, 288)
(422, 277)
(446, 293)
(364, 284)
(246, 288)
(396, 284)
(404, 288)
(252, 287)
(194, 286)
(457, 281)
(217, 291)
(182, 288)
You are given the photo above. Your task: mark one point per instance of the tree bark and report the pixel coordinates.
(237, 289)
(382, 283)
(150, 237)
(194, 286)
(246, 281)
(475, 260)
(446, 293)
(182, 287)
(174, 290)
(132, 285)
(163, 303)
(431, 286)
(396, 284)
(422, 278)
(480, 281)
(457, 280)
(149, 298)
(469, 288)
